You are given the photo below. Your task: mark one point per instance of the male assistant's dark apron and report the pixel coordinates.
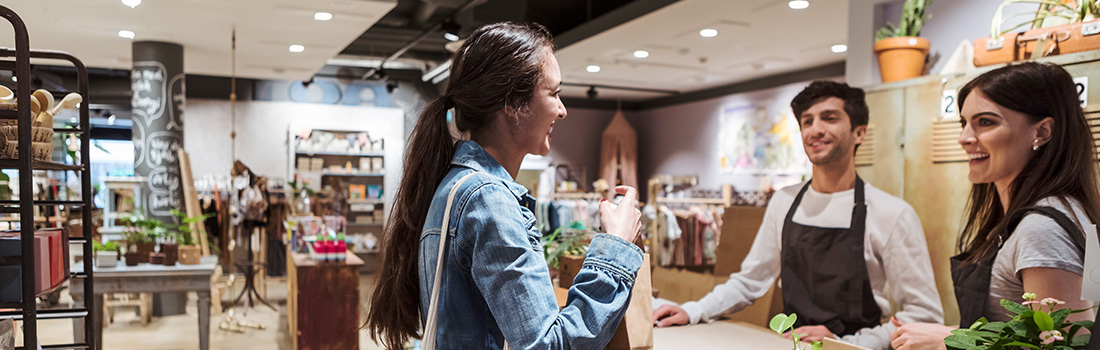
(824, 274)
(972, 279)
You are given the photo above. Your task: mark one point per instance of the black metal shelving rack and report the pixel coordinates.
(27, 309)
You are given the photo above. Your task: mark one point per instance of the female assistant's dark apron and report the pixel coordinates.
(972, 279)
(824, 274)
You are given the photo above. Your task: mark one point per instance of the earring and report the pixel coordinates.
(1035, 146)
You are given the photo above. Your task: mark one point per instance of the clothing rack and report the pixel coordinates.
(656, 187)
(578, 195)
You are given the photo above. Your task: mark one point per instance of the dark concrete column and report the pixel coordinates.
(158, 87)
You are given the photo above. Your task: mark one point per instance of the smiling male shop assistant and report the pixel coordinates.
(848, 255)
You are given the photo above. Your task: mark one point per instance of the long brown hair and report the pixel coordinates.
(1064, 168)
(498, 68)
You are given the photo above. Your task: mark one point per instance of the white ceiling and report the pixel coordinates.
(88, 29)
(757, 38)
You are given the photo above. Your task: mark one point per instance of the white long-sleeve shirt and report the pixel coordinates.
(894, 248)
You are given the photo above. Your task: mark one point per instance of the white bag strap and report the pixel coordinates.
(433, 304)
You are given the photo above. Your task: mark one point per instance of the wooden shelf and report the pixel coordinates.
(366, 154)
(39, 165)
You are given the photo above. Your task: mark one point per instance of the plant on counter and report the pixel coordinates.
(556, 245)
(1030, 328)
(781, 323)
(1049, 13)
(912, 21)
(111, 246)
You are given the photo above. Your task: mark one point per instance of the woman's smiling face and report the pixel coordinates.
(998, 140)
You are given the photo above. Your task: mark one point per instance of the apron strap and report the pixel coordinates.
(1059, 217)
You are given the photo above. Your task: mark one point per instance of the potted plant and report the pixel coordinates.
(781, 323)
(564, 250)
(1034, 325)
(140, 233)
(106, 255)
(900, 50)
(189, 253)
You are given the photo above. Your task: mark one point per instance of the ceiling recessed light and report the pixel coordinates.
(126, 34)
(450, 36)
(13, 78)
(641, 54)
(708, 33)
(838, 48)
(322, 16)
(798, 4)
(592, 68)
(297, 48)
(111, 120)
(131, 3)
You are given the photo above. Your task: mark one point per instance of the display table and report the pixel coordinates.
(323, 302)
(147, 278)
(718, 335)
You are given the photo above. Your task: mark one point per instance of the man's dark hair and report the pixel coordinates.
(854, 103)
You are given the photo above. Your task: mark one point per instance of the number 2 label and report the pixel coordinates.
(948, 108)
(1082, 90)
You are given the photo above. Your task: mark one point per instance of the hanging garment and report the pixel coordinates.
(824, 276)
(619, 153)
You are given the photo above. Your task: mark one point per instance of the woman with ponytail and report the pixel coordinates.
(478, 279)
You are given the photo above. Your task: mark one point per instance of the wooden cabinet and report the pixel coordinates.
(915, 155)
(323, 303)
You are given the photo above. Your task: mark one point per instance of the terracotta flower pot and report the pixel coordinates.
(189, 254)
(171, 253)
(901, 58)
(133, 258)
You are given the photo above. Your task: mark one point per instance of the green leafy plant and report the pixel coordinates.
(912, 21)
(182, 232)
(1030, 328)
(140, 228)
(1050, 12)
(557, 244)
(111, 246)
(781, 323)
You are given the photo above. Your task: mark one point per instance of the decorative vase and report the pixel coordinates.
(901, 58)
(189, 254)
(171, 253)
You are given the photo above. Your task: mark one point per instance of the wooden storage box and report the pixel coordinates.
(1066, 38)
(323, 303)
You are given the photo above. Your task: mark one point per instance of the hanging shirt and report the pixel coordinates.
(898, 264)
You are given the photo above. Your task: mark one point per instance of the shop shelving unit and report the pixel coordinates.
(352, 228)
(17, 60)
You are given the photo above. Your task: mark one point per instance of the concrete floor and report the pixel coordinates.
(180, 332)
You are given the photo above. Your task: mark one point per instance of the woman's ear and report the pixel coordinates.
(1044, 131)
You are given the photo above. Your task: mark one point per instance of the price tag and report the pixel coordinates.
(1082, 90)
(949, 108)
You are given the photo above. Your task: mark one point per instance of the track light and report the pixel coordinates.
(592, 93)
(391, 85)
(450, 29)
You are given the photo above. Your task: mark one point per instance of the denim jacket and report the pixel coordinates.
(496, 285)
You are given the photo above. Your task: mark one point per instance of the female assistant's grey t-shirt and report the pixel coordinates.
(1037, 242)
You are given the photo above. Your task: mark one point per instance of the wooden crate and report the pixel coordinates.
(323, 303)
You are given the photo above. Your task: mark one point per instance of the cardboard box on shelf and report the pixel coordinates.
(303, 164)
(316, 164)
(365, 165)
(376, 165)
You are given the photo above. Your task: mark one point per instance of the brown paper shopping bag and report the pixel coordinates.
(635, 332)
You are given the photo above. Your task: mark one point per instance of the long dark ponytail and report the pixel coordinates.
(1064, 168)
(498, 68)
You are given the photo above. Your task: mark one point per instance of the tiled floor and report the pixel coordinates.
(180, 332)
